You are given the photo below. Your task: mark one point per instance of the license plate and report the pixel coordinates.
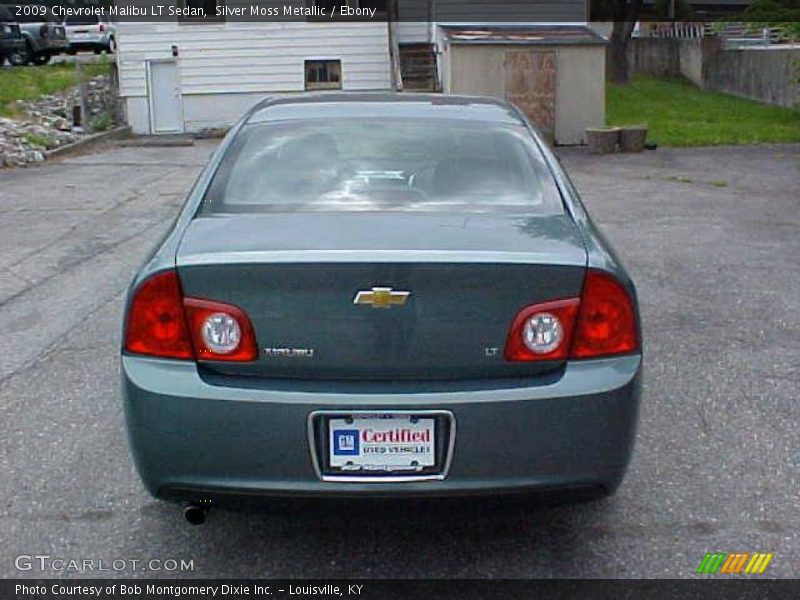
(382, 443)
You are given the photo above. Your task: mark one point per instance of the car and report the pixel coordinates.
(12, 44)
(43, 33)
(91, 32)
(381, 295)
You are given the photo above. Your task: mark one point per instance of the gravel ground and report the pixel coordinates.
(709, 235)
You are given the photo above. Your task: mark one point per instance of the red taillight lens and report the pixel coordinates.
(101, 28)
(44, 30)
(606, 322)
(542, 331)
(220, 331)
(601, 323)
(161, 322)
(156, 325)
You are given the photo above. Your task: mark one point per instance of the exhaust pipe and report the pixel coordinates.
(195, 513)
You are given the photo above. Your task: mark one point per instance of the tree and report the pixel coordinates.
(625, 13)
(784, 15)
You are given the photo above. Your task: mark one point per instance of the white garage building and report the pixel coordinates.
(177, 77)
(192, 75)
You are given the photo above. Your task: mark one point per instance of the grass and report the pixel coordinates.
(683, 179)
(679, 114)
(38, 140)
(26, 83)
(101, 122)
(680, 179)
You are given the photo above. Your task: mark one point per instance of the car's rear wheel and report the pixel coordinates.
(112, 45)
(18, 58)
(41, 59)
(27, 56)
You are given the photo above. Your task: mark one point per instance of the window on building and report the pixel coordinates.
(323, 74)
(207, 8)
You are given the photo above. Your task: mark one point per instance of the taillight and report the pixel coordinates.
(101, 27)
(606, 319)
(156, 325)
(162, 323)
(220, 331)
(602, 322)
(43, 30)
(542, 331)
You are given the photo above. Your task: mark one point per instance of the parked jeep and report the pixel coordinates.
(44, 34)
(12, 44)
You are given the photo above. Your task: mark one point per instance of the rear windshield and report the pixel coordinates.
(82, 20)
(382, 164)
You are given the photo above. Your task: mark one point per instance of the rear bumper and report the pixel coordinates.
(192, 438)
(52, 46)
(90, 42)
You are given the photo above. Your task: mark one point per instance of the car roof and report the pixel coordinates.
(327, 105)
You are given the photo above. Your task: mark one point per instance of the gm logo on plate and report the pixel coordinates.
(345, 442)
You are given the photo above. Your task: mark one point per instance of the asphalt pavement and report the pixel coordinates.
(711, 239)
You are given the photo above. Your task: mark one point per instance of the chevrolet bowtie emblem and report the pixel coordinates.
(381, 297)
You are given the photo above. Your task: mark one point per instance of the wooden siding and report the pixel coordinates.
(239, 57)
(414, 24)
(414, 32)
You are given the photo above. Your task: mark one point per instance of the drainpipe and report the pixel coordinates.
(432, 21)
(394, 47)
(433, 29)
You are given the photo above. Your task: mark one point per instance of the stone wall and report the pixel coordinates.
(45, 123)
(765, 74)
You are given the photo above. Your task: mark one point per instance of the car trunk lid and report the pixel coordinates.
(297, 276)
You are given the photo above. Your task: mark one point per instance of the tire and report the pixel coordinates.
(112, 46)
(72, 52)
(97, 50)
(41, 59)
(30, 54)
(18, 58)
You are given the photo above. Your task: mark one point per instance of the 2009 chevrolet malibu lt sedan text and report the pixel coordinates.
(381, 295)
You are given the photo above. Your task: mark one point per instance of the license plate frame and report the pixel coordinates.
(320, 443)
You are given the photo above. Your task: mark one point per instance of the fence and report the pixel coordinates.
(732, 35)
(769, 74)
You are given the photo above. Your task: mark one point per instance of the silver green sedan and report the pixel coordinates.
(381, 295)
